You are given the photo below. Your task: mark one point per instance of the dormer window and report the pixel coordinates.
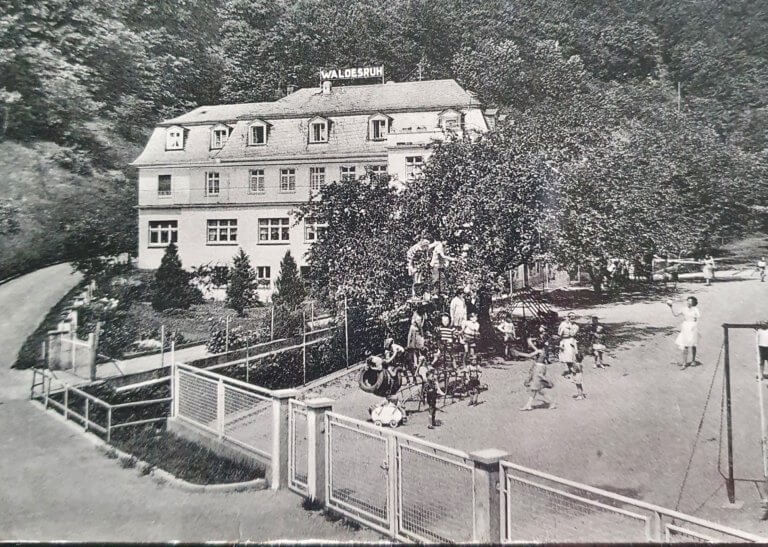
(257, 133)
(450, 119)
(174, 138)
(378, 127)
(219, 136)
(318, 130)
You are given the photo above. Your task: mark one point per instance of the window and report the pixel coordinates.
(257, 135)
(316, 178)
(347, 172)
(212, 184)
(274, 230)
(313, 230)
(222, 231)
(378, 129)
(219, 137)
(219, 276)
(413, 167)
(164, 185)
(256, 181)
(450, 119)
(263, 276)
(287, 180)
(174, 138)
(162, 232)
(377, 171)
(318, 131)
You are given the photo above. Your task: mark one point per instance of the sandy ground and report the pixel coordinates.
(57, 486)
(635, 432)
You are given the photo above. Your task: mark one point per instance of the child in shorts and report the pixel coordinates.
(431, 392)
(598, 346)
(470, 335)
(762, 346)
(472, 379)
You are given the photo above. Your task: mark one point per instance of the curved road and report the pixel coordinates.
(24, 303)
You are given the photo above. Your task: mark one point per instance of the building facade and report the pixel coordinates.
(228, 176)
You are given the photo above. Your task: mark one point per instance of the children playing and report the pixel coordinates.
(446, 340)
(507, 329)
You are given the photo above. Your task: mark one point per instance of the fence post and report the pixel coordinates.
(66, 402)
(304, 345)
(220, 408)
(109, 423)
(72, 349)
(93, 347)
(346, 330)
(316, 409)
(226, 340)
(487, 512)
(272, 325)
(87, 411)
(278, 474)
(654, 529)
(175, 394)
(162, 345)
(47, 390)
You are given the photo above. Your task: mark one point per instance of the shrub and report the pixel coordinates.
(171, 286)
(241, 284)
(291, 291)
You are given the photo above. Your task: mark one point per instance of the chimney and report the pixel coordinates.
(326, 87)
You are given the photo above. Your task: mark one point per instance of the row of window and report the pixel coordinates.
(224, 231)
(287, 182)
(379, 125)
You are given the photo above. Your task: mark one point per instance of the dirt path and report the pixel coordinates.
(24, 302)
(56, 486)
(635, 432)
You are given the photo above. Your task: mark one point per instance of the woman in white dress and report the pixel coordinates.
(689, 329)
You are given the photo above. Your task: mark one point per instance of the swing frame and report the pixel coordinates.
(730, 481)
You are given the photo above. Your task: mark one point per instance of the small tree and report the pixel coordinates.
(241, 284)
(171, 288)
(290, 288)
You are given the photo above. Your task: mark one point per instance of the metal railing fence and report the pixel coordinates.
(298, 447)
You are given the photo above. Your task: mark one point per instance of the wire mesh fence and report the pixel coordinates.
(197, 399)
(537, 507)
(358, 472)
(435, 494)
(298, 447)
(247, 419)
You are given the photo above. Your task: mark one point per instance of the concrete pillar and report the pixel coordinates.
(278, 475)
(316, 409)
(220, 408)
(487, 496)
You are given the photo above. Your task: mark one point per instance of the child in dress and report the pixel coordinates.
(538, 379)
(507, 330)
(431, 392)
(470, 334)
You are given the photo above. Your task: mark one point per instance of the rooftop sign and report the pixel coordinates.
(352, 73)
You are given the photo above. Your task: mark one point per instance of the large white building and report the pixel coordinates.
(228, 176)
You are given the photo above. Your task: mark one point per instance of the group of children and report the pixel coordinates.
(542, 347)
(452, 350)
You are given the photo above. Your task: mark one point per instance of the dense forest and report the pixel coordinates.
(82, 83)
